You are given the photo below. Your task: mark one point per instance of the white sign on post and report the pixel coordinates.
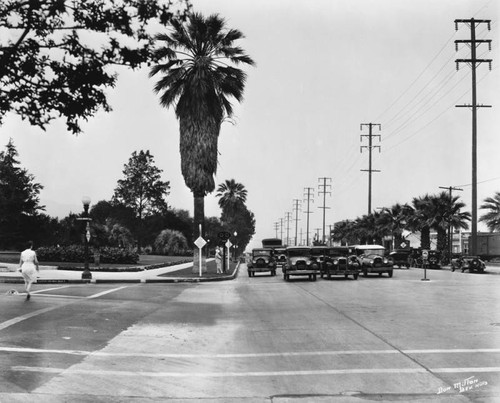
(228, 246)
(200, 243)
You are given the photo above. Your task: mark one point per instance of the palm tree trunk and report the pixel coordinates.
(425, 238)
(199, 222)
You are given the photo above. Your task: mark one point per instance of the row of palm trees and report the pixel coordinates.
(439, 212)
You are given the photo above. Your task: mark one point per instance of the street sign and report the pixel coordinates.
(228, 244)
(425, 254)
(200, 242)
(224, 235)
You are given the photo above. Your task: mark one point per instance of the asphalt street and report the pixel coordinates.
(257, 339)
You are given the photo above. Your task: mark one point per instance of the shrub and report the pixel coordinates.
(76, 254)
(171, 242)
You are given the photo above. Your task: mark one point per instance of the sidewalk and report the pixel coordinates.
(170, 274)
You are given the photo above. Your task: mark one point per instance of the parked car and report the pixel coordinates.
(433, 259)
(280, 257)
(340, 261)
(400, 258)
(318, 254)
(262, 261)
(299, 262)
(373, 259)
(472, 263)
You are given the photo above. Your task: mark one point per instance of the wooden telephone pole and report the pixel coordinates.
(370, 147)
(473, 62)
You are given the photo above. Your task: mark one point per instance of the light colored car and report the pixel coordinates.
(373, 259)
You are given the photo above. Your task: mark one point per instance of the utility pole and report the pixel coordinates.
(370, 147)
(322, 190)
(330, 226)
(288, 216)
(473, 62)
(276, 226)
(450, 239)
(310, 195)
(281, 226)
(296, 208)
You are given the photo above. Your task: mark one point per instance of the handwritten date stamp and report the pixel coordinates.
(466, 385)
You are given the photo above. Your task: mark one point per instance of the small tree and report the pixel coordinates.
(19, 200)
(170, 242)
(142, 189)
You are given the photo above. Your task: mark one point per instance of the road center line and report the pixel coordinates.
(101, 373)
(243, 355)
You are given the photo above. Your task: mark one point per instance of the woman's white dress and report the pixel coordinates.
(28, 267)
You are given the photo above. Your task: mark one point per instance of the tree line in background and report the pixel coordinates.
(56, 59)
(137, 217)
(437, 212)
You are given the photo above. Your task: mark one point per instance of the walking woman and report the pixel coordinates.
(28, 266)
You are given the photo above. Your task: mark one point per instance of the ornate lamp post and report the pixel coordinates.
(85, 217)
(235, 246)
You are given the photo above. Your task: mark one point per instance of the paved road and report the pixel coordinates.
(255, 339)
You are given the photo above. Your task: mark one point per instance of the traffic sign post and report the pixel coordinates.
(228, 245)
(200, 243)
(425, 257)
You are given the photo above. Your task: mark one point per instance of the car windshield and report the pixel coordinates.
(317, 252)
(378, 252)
(298, 252)
(338, 252)
(261, 252)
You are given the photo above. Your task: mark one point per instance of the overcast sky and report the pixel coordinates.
(323, 68)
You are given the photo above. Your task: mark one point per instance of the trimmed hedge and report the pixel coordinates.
(76, 254)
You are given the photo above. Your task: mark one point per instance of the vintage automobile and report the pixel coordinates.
(340, 261)
(280, 257)
(400, 258)
(300, 263)
(472, 263)
(262, 261)
(318, 254)
(433, 260)
(372, 259)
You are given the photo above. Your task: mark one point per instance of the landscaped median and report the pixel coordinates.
(157, 273)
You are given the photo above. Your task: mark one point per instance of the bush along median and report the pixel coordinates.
(76, 254)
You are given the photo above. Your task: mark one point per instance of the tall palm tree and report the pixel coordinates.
(231, 194)
(198, 80)
(419, 220)
(492, 216)
(395, 219)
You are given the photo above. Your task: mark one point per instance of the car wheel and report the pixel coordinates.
(389, 273)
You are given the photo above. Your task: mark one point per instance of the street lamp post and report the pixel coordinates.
(235, 244)
(86, 275)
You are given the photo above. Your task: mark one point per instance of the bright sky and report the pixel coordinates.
(323, 68)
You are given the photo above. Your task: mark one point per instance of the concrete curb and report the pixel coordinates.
(158, 279)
